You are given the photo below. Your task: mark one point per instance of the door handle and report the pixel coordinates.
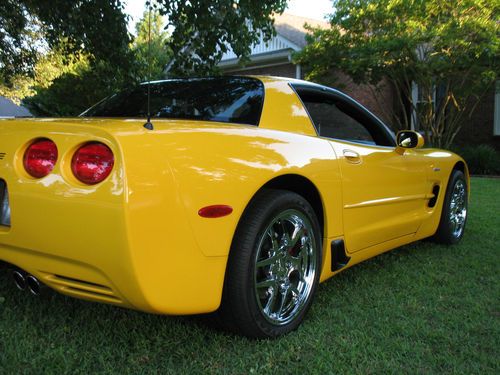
(352, 156)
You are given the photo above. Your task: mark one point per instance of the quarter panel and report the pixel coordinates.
(179, 257)
(440, 164)
(229, 165)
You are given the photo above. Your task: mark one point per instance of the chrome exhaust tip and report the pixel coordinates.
(33, 285)
(19, 280)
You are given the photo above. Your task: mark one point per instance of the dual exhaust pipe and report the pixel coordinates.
(24, 281)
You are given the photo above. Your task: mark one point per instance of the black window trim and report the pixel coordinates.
(314, 88)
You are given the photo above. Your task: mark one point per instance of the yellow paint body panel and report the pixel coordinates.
(136, 239)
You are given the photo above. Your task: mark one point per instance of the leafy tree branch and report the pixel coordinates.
(449, 49)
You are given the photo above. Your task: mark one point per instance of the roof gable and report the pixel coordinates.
(290, 35)
(292, 27)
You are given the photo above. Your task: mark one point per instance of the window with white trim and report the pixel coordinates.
(420, 100)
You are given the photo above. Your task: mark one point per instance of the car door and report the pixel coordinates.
(384, 192)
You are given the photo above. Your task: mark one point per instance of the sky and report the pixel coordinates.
(316, 9)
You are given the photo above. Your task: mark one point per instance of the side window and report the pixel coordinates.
(337, 116)
(331, 122)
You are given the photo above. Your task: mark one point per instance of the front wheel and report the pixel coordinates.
(454, 214)
(274, 266)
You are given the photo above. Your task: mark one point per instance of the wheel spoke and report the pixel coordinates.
(304, 253)
(294, 291)
(273, 236)
(297, 235)
(273, 252)
(285, 238)
(300, 259)
(284, 296)
(266, 284)
(270, 302)
(268, 261)
(296, 262)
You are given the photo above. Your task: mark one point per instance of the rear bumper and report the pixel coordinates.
(73, 240)
(102, 252)
(188, 294)
(124, 244)
(108, 252)
(65, 275)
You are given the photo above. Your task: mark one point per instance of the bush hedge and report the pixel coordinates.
(482, 159)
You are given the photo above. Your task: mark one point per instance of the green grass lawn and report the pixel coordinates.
(422, 308)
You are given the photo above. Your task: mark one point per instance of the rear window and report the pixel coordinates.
(225, 99)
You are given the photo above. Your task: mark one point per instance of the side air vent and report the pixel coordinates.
(433, 200)
(2, 155)
(4, 205)
(339, 256)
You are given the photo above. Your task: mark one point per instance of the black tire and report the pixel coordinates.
(265, 267)
(454, 213)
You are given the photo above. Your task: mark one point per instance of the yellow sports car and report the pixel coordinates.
(239, 196)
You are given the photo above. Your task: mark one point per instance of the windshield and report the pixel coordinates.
(224, 99)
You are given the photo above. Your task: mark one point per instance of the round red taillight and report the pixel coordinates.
(92, 163)
(40, 158)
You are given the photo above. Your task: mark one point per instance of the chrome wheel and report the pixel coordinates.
(454, 213)
(285, 267)
(458, 208)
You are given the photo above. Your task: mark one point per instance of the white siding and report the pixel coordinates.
(277, 43)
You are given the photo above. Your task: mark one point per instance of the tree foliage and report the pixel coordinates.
(83, 81)
(80, 85)
(150, 59)
(449, 48)
(90, 40)
(47, 68)
(204, 29)
(30, 27)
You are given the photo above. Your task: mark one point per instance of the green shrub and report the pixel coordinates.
(482, 159)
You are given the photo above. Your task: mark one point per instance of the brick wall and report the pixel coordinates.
(381, 105)
(479, 128)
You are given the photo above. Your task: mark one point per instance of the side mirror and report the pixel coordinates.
(408, 139)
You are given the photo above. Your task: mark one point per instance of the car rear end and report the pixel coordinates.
(123, 240)
(58, 224)
(134, 238)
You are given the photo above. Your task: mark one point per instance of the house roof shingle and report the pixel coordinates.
(292, 27)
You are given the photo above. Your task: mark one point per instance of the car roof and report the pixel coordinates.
(263, 78)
